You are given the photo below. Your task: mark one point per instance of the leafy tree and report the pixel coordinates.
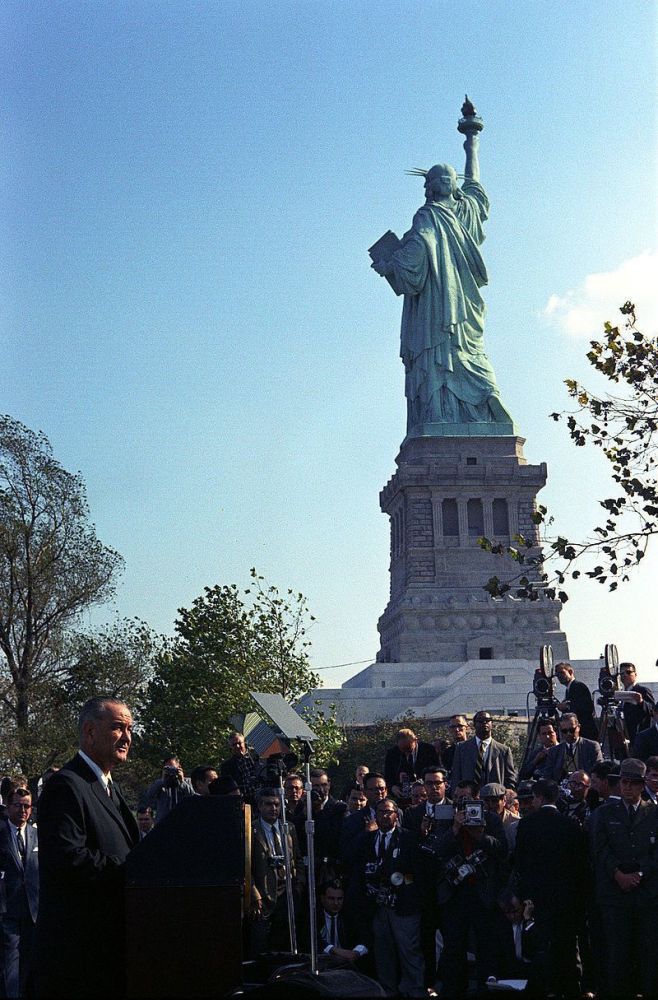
(623, 424)
(115, 660)
(330, 735)
(52, 567)
(227, 644)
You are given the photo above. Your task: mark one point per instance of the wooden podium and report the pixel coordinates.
(185, 891)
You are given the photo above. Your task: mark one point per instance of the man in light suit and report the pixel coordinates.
(86, 830)
(482, 759)
(269, 905)
(574, 753)
(19, 860)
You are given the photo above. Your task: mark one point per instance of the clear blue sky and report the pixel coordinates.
(188, 312)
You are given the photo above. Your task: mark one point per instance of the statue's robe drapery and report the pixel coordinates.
(439, 270)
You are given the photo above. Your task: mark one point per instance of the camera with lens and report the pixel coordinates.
(460, 868)
(473, 810)
(274, 769)
(543, 683)
(172, 777)
(609, 677)
(383, 890)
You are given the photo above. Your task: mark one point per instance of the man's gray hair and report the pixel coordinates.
(94, 709)
(570, 717)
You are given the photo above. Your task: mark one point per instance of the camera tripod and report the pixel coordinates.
(543, 689)
(612, 729)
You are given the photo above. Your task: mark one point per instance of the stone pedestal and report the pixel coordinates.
(448, 492)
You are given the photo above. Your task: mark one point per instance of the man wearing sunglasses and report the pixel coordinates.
(573, 753)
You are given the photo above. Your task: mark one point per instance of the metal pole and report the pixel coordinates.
(310, 854)
(288, 860)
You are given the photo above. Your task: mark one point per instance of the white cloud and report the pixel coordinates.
(581, 312)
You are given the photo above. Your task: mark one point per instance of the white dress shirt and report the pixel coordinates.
(104, 779)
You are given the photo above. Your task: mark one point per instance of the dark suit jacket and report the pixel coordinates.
(620, 844)
(508, 966)
(395, 761)
(400, 857)
(588, 754)
(414, 815)
(638, 717)
(645, 744)
(550, 860)
(21, 883)
(581, 702)
(328, 826)
(348, 936)
(353, 827)
(84, 838)
(492, 875)
(533, 764)
(499, 764)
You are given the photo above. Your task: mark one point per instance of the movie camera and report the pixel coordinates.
(612, 728)
(546, 703)
(609, 679)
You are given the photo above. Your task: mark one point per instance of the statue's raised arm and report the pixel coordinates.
(438, 268)
(470, 124)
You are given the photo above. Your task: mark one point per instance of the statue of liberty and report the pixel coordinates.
(439, 269)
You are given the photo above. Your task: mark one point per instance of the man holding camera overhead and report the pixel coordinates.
(472, 853)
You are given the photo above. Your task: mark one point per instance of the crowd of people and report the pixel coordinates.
(440, 868)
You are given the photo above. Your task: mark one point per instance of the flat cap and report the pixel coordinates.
(492, 791)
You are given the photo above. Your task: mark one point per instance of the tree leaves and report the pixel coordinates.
(227, 644)
(623, 425)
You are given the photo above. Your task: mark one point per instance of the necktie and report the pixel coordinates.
(479, 765)
(382, 847)
(518, 941)
(278, 850)
(569, 761)
(20, 839)
(333, 936)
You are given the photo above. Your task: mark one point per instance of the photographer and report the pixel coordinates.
(426, 820)
(472, 852)
(166, 792)
(384, 895)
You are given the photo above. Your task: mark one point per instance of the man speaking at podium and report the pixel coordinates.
(86, 829)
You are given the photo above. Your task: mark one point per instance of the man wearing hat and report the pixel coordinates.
(493, 796)
(624, 841)
(526, 796)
